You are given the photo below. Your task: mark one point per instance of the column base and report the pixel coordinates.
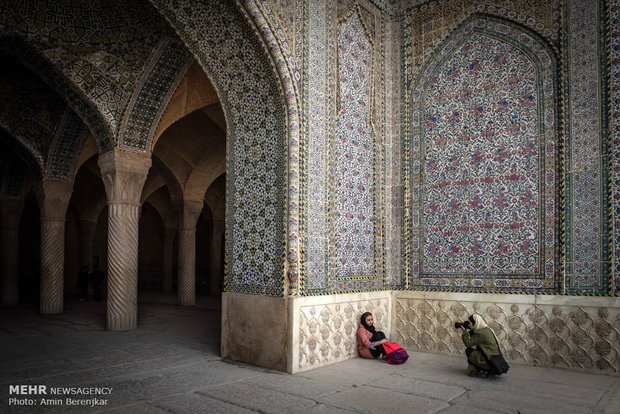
(51, 309)
(187, 301)
(9, 301)
(126, 323)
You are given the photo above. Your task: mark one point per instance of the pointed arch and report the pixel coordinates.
(289, 83)
(19, 154)
(21, 51)
(167, 66)
(246, 80)
(66, 147)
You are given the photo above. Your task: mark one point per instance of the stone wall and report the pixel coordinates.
(322, 329)
(542, 330)
(554, 331)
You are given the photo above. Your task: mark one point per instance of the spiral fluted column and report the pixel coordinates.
(187, 252)
(52, 265)
(167, 260)
(123, 221)
(10, 213)
(53, 198)
(124, 174)
(215, 264)
(87, 236)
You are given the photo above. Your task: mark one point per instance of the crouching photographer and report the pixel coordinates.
(483, 352)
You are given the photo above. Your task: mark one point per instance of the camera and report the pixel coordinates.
(458, 325)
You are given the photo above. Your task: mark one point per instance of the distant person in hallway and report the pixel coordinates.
(481, 344)
(82, 283)
(97, 283)
(369, 340)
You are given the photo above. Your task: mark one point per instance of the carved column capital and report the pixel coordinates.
(169, 233)
(53, 197)
(124, 174)
(88, 227)
(191, 213)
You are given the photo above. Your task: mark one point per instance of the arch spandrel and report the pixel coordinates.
(33, 60)
(505, 123)
(167, 66)
(66, 147)
(193, 92)
(256, 118)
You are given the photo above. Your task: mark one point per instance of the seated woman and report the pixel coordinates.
(369, 340)
(480, 336)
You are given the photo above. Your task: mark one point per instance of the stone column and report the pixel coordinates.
(215, 265)
(87, 235)
(53, 198)
(187, 252)
(167, 260)
(124, 174)
(10, 214)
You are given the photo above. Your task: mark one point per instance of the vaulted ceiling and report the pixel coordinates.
(81, 78)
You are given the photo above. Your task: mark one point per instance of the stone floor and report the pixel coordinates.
(170, 364)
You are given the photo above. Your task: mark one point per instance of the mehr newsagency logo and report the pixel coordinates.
(43, 396)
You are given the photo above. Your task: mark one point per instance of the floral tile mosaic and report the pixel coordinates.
(483, 153)
(353, 158)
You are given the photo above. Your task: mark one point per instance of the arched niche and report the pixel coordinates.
(482, 204)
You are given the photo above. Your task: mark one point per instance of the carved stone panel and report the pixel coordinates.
(325, 327)
(554, 331)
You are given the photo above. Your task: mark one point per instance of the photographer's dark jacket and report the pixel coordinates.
(484, 339)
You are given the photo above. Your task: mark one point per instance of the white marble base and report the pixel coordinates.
(543, 330)
(322, 328)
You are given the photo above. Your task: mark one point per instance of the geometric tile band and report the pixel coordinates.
(613, 64)
(317, 98)
(152, 94)
(586, 253)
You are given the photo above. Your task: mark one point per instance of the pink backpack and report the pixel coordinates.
(394, 353)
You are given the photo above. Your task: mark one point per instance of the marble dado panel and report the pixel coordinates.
(557, 331)
(323, 328)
